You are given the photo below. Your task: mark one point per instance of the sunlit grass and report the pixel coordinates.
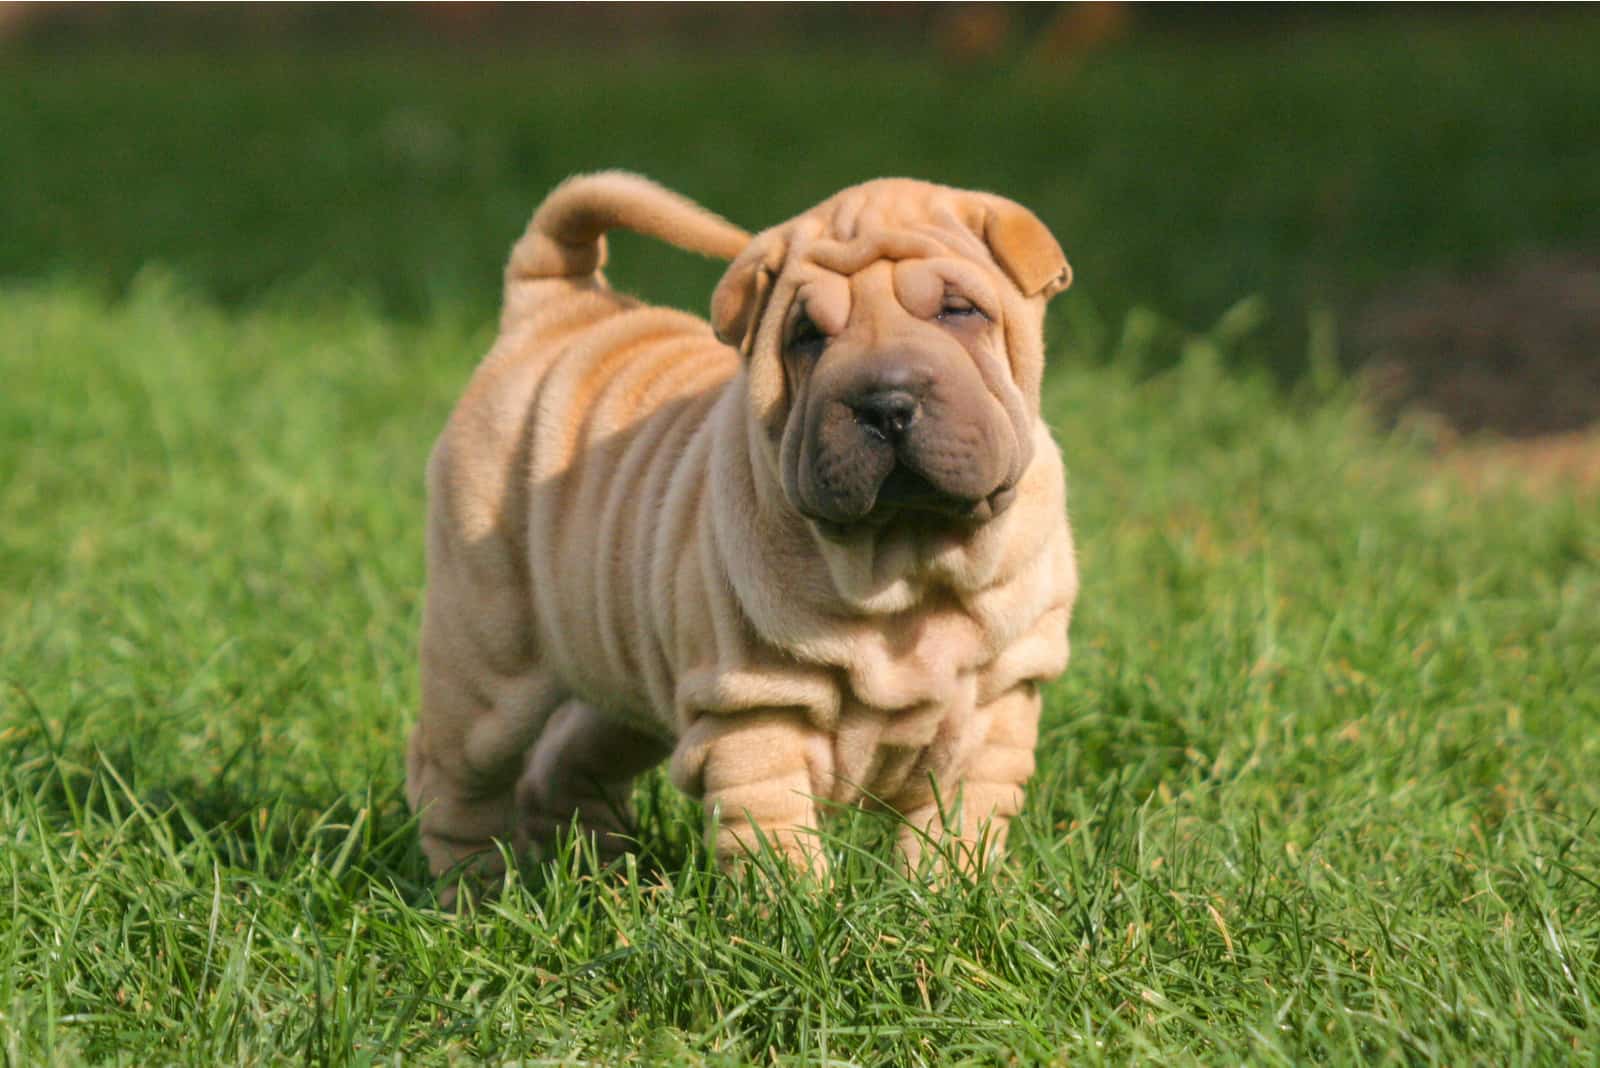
(1321, 783)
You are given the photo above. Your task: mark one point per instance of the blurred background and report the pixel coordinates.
(1410, 195)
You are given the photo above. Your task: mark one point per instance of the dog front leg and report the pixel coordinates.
(970, 813)
(761, 782)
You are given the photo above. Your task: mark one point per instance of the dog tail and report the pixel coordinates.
(566, 237)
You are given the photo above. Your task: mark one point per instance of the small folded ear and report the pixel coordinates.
(738, 300)
(1025, 249)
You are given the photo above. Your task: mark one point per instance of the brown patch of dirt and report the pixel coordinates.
(1504, 364)
(1514, 351)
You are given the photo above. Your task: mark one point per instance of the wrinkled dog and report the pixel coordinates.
(815, 551)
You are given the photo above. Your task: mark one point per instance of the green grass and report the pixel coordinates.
(1321, 785)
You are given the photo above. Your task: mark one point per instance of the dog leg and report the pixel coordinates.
(584, 764)
(463, 762)
(486, 693)
(760, 784)
(485, 698)
(974, 816)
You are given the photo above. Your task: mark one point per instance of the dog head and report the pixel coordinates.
(894, 353)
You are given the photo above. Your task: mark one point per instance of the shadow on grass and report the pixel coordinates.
(98, 791)
(95, 789)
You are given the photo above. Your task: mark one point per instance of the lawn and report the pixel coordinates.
(1323, 780)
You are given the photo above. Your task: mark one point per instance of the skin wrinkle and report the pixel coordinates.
(602, 496)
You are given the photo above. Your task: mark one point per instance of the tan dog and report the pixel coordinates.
(818, 556)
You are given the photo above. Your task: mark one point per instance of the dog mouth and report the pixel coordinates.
(908, 498)
(889, 449)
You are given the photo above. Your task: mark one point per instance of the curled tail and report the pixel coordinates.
(565, 238)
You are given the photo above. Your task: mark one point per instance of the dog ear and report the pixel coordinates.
(740, 297)
(1027, 251)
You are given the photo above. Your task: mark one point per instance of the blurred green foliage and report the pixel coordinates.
(1181, 172)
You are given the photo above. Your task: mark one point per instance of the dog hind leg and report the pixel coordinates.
(464, 760)
(584, 765)
(486, 691)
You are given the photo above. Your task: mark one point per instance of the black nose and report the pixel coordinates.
(888, 413)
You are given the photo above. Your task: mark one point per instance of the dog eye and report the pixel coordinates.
(955, 307)
(806, 336)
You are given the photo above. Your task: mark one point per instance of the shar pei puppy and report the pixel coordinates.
(815, 551)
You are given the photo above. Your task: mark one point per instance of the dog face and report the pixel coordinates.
(894, 355)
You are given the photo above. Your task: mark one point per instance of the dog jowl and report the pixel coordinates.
(814, 551)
